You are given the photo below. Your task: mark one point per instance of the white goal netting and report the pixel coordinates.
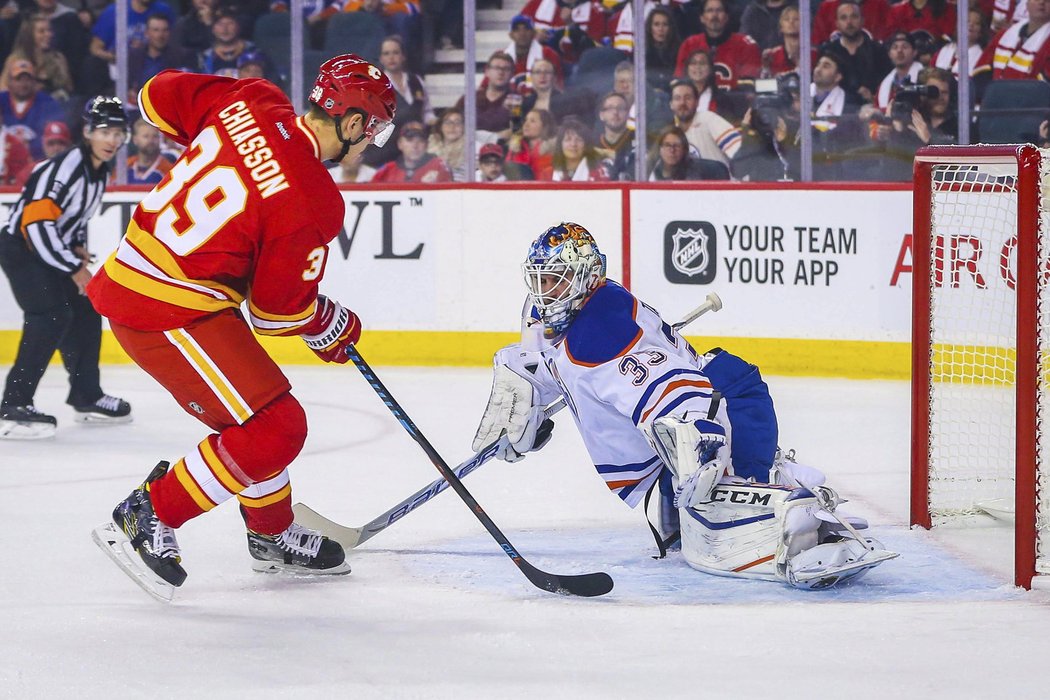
(973, 346)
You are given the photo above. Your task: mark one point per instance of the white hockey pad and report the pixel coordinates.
(737, 532)
(117, 547)
(831, 564)
(698, 486)
(787, 472)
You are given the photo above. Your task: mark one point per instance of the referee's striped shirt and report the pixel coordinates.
(60, 197)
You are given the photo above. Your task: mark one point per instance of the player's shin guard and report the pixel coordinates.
(240, 457)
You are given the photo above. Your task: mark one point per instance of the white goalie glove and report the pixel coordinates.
(691, 446)
(515, 405)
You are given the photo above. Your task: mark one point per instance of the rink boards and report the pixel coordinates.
(815, 278)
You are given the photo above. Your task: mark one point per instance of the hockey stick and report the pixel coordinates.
(350, 537)
(587, 585)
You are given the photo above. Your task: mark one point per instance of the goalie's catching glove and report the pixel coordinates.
(510, 409)
(332, 330)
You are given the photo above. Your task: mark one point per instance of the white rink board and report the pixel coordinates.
(789, 263)
(448, 259)
(433, 260)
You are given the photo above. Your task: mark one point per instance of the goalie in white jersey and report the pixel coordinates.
(655, 415)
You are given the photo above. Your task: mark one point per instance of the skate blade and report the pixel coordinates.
(98, 419)
(118, 547)
(273, 567)
(13, 430)
(820, 580)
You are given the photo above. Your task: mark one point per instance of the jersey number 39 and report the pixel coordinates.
(209, 204)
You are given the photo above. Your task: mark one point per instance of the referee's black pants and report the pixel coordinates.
(57, 317)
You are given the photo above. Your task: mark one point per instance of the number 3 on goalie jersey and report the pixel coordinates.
(209, 203)
(632, 365)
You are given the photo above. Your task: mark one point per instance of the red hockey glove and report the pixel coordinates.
(332, 330)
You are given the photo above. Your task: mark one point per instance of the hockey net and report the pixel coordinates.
(979, 342)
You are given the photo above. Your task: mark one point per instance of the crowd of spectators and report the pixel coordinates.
(722, 93)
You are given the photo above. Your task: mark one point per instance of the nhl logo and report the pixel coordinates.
(690, 252)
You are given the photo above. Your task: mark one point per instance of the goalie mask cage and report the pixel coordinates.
(980, 312)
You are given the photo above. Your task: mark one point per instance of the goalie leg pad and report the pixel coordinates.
(737, 532)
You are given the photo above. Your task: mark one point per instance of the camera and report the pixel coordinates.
(907, 99)
(774, 99)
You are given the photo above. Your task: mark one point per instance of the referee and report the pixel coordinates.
(43, 253)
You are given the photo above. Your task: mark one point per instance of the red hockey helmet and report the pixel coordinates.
(349, 82)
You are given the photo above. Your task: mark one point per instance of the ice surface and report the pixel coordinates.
(434, 609)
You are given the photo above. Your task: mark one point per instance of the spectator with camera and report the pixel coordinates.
(921, 114)
(863, 61)
(673, 160)
(905, 69)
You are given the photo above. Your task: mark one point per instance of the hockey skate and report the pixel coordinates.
(26, 423)
(135, 530)
(108, 409)
(297, 550)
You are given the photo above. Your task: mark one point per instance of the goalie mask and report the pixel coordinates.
(563, 268)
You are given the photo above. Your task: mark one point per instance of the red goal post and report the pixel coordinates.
(979, 335)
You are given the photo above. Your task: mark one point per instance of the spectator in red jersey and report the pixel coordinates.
(876, 19)
(761, 20)
(905, 69)
(783, 58)
(1021, 50)
(414, 164)
(526, 51)
(547, 15)
(863, 61)
(535, 144)
(947, 57)
(737, 56)
(15, 161)
(601, 21)
(575, 158)
(937, 17)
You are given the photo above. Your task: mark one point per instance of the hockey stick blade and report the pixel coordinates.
(583, 585)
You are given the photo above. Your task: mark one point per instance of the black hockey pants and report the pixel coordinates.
(56, 317)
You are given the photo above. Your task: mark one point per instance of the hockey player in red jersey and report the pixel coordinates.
(228, 225)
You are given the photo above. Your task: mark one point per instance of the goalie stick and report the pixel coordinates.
(350, 537)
